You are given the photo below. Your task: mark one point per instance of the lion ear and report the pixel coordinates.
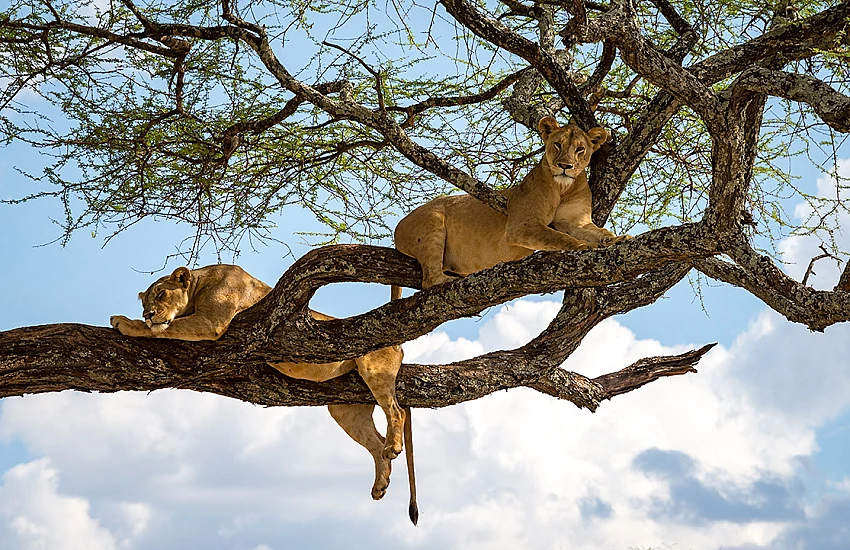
(141, 295)
(597, 137)
(547, 127)
(182, 276)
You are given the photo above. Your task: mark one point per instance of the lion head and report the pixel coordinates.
(568, 148)
(166, 299)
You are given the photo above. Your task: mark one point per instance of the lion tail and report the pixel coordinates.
(413, 508)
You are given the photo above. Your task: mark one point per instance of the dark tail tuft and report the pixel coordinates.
(413, 509)
(413, 512)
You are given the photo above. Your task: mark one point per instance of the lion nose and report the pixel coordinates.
(149, 314)
(566, 166)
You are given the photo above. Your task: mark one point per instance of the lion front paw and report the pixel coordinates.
(116, 321)
(614, 239)
(128, 327)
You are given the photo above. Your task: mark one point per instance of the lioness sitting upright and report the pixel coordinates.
(549, 210)
(199, 305)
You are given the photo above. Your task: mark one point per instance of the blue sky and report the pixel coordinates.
(749, 453)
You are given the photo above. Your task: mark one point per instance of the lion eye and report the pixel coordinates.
(160, 294)
(557, 146)
(580, 150)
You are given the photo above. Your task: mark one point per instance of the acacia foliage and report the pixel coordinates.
(168, 110)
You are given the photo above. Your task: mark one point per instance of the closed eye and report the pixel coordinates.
(580, 150)
(557, 146)
(160, 295)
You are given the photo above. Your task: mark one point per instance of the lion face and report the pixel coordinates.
(166, 299)
(568, 148)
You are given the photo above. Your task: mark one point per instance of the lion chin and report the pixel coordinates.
(157, 327)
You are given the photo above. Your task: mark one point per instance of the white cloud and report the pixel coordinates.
(35, 516)
(742, 426)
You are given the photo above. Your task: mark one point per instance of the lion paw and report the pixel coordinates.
(614, 239)
(439, 279)
(392, 450)
(116, 320)
(382, 480)
(128, 327)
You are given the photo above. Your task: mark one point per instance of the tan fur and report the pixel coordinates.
(199, 305)
(549, 210)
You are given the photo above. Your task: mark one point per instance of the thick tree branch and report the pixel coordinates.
(799, 40)
(403, 320)
(734, 152)
(84, 358)
(57, 357)
(611, 173)
(833, 107)
(666, 73)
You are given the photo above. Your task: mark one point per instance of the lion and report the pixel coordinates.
(549, 210)
(198, 304)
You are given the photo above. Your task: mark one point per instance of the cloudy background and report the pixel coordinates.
(749, 453)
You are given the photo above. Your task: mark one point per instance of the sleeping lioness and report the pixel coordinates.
(549, 210)
(199, 305)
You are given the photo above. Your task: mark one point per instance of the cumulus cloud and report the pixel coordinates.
(35, 516)
(569, 474)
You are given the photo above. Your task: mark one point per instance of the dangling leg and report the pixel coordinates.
(379, 369)
(357, 422)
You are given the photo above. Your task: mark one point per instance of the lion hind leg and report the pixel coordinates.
(379, 369)
(423, 236)
(357, 422)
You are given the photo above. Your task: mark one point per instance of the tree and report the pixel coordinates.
(193, 112)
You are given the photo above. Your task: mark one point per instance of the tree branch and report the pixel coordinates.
(650, 369)
(58, 357)
(756, 273)
(833, 107)
(405, 319)
(798, 40)
(666, 73)
(413, 110)
(496, 33)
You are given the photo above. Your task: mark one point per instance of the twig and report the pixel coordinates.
(809, 270)
(378, 80)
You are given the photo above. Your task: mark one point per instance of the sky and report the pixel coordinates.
(747, 454)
